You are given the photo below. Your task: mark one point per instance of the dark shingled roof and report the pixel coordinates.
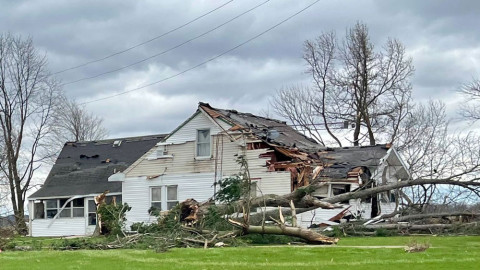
(83, 168)
(343, 160)
(270, 130)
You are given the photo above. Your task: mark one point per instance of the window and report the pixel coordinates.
(92, 213)
(74, 208)
(67, 211)
(111, 199)
(39, 210)
(203, 143)
(253, 190)
(51, 208)
(161, 150)
(171, 197)
(156, 198)
(78, 206)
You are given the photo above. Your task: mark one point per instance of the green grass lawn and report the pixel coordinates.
(462, 252)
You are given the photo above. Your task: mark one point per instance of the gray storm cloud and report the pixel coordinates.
(441, 36)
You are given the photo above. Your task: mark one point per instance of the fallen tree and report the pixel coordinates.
(310, 236)
(432, 215)
(420, 227)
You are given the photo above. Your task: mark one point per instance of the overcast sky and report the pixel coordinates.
(442, 37)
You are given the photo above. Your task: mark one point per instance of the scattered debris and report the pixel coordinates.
(414, 246)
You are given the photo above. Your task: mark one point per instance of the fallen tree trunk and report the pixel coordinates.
(416, 226)
(308, 202)
(310, 236)
(432, 215)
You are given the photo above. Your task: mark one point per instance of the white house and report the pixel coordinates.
(162, 170)
(204, 149)
(64, 205)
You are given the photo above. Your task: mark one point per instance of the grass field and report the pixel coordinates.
(462, 252)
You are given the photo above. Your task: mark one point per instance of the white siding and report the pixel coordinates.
(317, 216)
(386, 208)
(136, 192)
(59, 227)
(184, 163)
(188, 132)
(195, 177)
(273, 182)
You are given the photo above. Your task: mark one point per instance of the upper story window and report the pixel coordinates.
(203, 143)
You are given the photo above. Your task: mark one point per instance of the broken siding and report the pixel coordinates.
(385, 208)
(137, 192)
(317, 216)
(184, 162)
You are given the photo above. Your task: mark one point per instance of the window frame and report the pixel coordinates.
(164, 201)
(69, 208)
(47, 208)
(197, 156)
(89, 212)
(167, 201)
(77, 207)
(161, 196)
(35, 210)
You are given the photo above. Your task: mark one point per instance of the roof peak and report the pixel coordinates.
(132, 138)
(240, 113)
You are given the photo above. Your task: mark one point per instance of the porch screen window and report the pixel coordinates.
(171, 197)
(51, 208)
(67, 211)
(203, 143)
(39, 210)
(78, 207)
(156, 199)
(92, 213)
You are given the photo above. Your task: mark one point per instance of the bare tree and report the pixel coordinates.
(27, 105)
(470, 109)
(74, 123)
(353, 83)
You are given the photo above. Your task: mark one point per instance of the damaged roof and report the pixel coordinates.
(270, 130)
(83, 168)
(340, 161)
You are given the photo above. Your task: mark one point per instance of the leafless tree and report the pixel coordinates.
(431, 151)
(470, 109)
(27, 104)
(75, 123)
(351, 82)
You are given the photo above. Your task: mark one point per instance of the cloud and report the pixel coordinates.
(441, 37)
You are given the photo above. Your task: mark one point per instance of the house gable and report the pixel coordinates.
(187, 131)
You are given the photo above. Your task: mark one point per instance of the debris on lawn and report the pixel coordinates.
(414, 246)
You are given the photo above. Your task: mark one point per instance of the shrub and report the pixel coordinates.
(142, 227)
(231, 189)
(383, 232)
(215, 220)
(113, 217)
